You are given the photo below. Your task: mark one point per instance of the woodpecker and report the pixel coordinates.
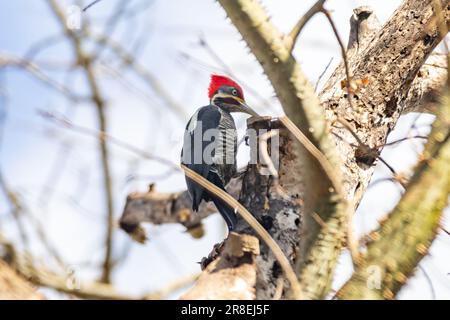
(210, 143)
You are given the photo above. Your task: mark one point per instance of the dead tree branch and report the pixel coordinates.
(404, 238)
(427, 87)
(161, 208)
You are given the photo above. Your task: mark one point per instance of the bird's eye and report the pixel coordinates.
(234, 92)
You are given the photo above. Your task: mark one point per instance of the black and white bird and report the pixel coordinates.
(210, 143)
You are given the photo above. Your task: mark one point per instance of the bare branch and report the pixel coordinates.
(66, 123)
(363, 26)
(291, 38)
(143, 72)
(40, 275)
(34, 70)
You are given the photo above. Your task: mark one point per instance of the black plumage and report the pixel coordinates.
(210, 143)
(209, 149)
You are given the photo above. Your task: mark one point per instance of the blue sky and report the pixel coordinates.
(72, 210)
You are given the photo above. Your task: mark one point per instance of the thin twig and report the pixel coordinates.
(429, 281)
(91, 4)
(110, 25)
(107, 137)
(291, 39)
(149, 78)
(322, 74)
(391, 169)
(404, 139)
(39, 275)
(445, 230)
(16, 210)
(34, 70)
(344, 55)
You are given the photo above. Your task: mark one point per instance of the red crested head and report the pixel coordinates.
(218, 81)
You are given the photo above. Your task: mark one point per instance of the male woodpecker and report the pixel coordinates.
(210, 143)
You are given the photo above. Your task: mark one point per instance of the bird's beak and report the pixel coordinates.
(241, 105)
(244, 107)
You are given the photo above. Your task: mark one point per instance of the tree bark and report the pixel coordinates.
(406, 235)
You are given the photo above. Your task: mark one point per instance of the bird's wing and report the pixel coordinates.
(194, 145)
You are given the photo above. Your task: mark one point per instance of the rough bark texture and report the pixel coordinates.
(389, 65)
(427, 86)
(406, 235)
(387, 62)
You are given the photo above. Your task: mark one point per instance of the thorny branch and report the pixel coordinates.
(302, 106)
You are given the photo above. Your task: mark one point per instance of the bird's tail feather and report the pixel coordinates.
(226, 211)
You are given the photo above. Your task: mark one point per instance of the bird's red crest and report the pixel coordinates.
(217, 81)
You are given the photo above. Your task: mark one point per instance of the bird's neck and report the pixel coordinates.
(223, 107)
